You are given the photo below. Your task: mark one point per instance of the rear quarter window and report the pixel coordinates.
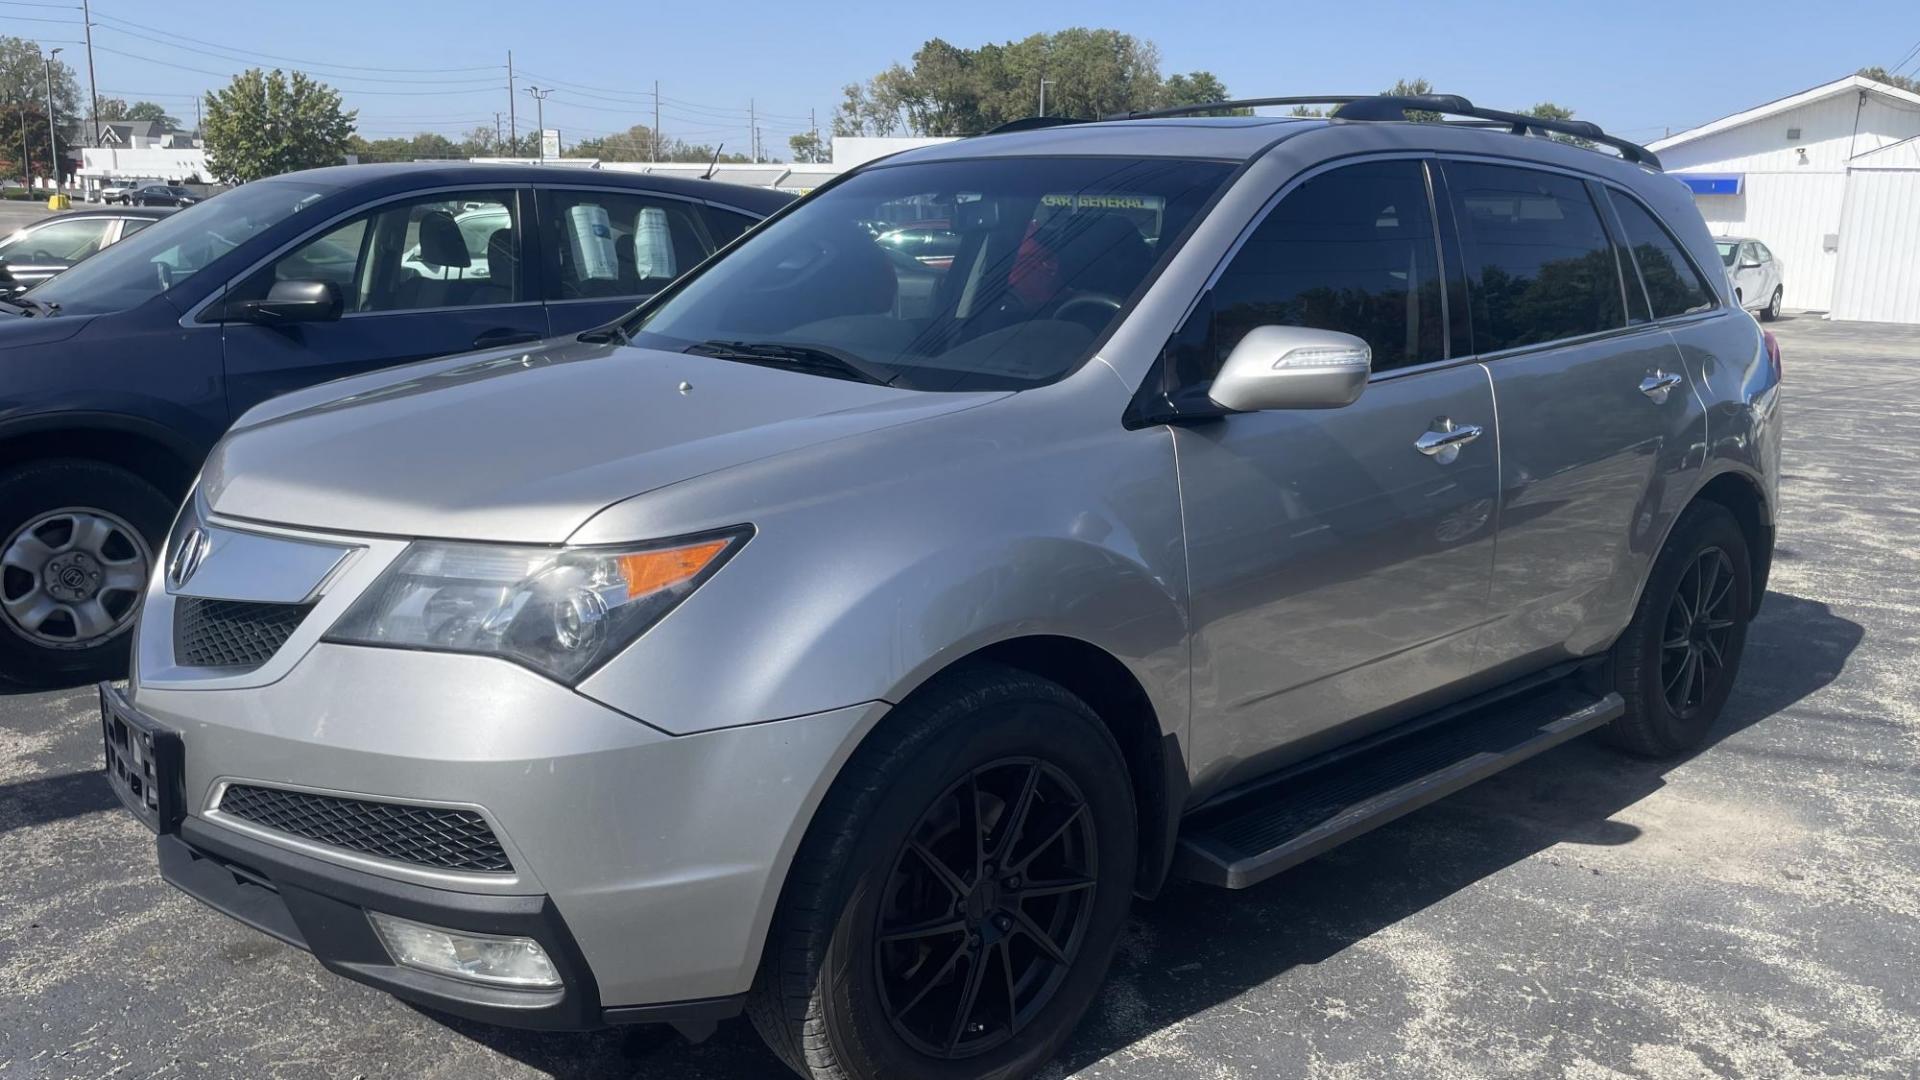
(1674, 285)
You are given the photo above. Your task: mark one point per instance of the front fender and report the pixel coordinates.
(879, 561)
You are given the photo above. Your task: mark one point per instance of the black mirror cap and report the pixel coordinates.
(289, 302)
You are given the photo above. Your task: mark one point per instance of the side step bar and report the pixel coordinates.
(1248, 838)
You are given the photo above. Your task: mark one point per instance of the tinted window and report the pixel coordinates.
(1539, 264)
(1047, 253)
(59, 242)
(605, 244)
(437, 252)
(725, 225)
(1350, 250)
(129, 226)
(177, 247)
(1673, 286)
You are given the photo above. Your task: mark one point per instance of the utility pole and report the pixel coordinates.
(540, 108)
(26, 156)
(496, 128)
(53, 147)
(653, 152)
(513, 125)
(93, 90)
(753, 129)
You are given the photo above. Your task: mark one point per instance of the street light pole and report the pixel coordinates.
(540, 116)
(53, 147)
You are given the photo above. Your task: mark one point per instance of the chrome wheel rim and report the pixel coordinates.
(71, 578)
(986, 908)
(1697, 636)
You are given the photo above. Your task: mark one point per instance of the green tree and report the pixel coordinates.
(950, 90)
(264, 124)
(112, 109)
(809, 148)
(1547, 110)
(147, 110)
(12, 118)
(637, 143)
(23, 78)
(1880, 74)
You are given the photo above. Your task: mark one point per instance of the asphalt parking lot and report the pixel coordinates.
(15, 214)
(1753, 911)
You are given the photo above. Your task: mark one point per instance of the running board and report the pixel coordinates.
(1251, 837)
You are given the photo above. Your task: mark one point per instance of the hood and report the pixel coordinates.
(525, 446)
(18, 331)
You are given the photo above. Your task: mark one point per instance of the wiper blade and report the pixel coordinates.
(29, 306)
(816, 359)
(610, 334)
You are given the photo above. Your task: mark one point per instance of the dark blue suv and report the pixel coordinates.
(117, 376)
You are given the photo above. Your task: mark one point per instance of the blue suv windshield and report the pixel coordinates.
(991, 273)
(176, 247)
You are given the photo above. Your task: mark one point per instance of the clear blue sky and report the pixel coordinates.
(1637, 68)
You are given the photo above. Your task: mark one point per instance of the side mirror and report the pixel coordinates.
(1292, 367)
(1752, 264)
(289, 302)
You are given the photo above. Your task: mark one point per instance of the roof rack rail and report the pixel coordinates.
(1396, 107)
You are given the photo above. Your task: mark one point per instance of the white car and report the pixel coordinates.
(1755, 274)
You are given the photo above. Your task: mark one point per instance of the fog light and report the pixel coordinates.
(484, 958)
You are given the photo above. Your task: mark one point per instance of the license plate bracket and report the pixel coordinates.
(143, 760)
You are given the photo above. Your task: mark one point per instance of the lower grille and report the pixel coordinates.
(231, 633)
(433, 836)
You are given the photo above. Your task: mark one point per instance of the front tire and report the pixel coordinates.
(1677, 660)
(77, 543)
(1772, 310)
(954, 908)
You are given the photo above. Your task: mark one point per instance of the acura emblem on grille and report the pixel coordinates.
(193, 549)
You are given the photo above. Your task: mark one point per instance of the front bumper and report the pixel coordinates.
(647, 865)
(322, 908)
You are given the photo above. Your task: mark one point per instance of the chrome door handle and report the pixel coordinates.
(1443, 442)
(1658, 385)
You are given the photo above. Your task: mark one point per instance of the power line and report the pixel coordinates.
(289, 59)
(1902, 62)
(350, 90)
(336, 76)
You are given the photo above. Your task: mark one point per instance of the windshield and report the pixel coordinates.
(959, 275)
(175, 248)
(1728, 252)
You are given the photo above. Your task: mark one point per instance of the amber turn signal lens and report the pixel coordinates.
(651, 571)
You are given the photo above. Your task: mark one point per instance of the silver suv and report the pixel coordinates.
(847, 637)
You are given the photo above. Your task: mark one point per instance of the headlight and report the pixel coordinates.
(560, 611)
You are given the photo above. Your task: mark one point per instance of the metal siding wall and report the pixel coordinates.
(1879, 272)
(1791, 213)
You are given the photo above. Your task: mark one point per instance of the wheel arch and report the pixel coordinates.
(1156, 766)
(1742, 496)
(152, 452)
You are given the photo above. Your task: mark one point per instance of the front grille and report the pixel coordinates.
(231, 633)
(432, 836)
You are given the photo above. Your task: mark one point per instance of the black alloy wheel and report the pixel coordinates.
(1699, 633)
(986, 908)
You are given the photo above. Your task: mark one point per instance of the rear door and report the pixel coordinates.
(1339, 572)
(419, 277)
(605, 250)
(1598, 421)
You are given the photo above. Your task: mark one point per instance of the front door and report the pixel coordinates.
(1595, 408)
(418, 277)
(1339, 572)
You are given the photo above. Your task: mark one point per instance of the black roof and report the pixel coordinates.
(401, 176)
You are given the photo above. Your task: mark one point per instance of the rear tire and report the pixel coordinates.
(924, 831)
(1676, 662)
(77, 543)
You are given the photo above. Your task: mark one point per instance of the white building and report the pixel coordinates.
(1829, 179)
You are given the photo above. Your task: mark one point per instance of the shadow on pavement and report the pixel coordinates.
(1197, 947)
(52, 798)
